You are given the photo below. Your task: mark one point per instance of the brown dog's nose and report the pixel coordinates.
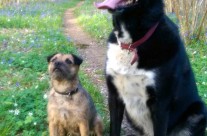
(57, 64)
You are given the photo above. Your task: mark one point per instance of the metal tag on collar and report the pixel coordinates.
(129, 48)
(69, 94)
(135, 57)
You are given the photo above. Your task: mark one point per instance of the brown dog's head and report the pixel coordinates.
(63, 66)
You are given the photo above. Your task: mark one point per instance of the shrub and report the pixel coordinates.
(192, 16)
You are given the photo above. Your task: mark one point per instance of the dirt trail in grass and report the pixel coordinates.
(93, 52)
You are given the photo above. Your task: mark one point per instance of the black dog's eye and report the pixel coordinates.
(68, 61)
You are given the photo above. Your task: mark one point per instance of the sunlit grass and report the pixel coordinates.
(197, 52)
(96, 22)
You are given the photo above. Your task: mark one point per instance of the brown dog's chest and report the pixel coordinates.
(66, 109)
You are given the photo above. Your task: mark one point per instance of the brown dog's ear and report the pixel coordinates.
(50, 57)
(77, 60)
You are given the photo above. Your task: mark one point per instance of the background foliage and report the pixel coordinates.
(192, 17)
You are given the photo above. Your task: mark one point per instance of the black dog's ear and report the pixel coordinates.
(77, 60)
(50, 57)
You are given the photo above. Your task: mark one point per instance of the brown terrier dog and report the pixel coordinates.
(70, 107)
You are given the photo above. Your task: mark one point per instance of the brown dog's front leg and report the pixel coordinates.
(61, 131)
(84, 128)
(53, 130)
(98, 127)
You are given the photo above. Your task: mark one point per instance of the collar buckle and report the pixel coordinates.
(133, 47)
(70, 93)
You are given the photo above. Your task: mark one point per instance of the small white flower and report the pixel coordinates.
(16, 112)
(36, 86)
(8, 20)
(204, 57)
(13, 96)
(11, 111)
(45, 96)
(203, 83)
(194, 52)
(15, 104)
(30, 113)
(205, 72)
(205, 95)
(35, 123)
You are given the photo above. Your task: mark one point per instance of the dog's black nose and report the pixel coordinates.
(57, 64)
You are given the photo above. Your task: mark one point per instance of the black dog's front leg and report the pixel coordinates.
(160, 123)
(160, 115)
(159, 108)
(116, 108)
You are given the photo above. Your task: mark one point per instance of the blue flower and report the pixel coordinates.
(17, 84)
(69, 39)
(3, 61)
(10, 61)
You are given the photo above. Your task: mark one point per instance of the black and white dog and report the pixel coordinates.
(148, 73)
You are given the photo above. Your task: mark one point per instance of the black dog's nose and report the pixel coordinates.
(57, 64)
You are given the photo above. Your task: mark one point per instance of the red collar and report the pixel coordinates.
(132, 47)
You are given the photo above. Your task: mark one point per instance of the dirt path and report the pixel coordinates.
(93, 53)
(90, 50)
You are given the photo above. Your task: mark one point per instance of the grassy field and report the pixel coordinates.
(98, 24)
(29, 32)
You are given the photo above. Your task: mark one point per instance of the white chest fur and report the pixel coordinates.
(131, 85)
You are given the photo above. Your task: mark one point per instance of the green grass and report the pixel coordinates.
(29, 33)
(197, 52)
(95, 22)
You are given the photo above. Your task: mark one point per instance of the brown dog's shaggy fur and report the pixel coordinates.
(70, 107)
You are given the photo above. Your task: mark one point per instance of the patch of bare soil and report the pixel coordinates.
(90, 50)
(93, 52)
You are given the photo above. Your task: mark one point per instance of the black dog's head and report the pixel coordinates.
(135, 17)
(120, 5)
(63, 66)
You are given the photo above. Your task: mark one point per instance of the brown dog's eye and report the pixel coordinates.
(68, 61)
